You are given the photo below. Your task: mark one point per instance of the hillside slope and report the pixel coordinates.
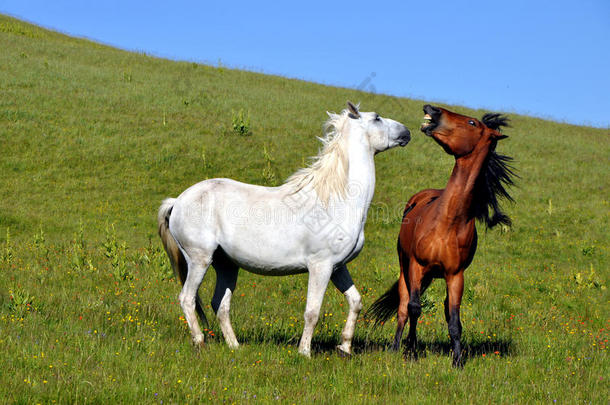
(94, 137)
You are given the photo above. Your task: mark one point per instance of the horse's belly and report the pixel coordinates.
(265, 259)
(272, 271)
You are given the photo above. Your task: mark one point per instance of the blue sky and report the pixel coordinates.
(549, 59)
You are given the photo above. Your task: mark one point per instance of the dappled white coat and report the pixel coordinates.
(314, 222)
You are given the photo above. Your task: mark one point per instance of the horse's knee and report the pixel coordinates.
(221, 303)
(414, 308)
(187, 302)
(311, 316)
(354, 299)
(455, 331)
(455, 326)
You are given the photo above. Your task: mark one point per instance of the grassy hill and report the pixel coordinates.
(93, 138)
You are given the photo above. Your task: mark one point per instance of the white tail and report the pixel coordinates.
(176, 258)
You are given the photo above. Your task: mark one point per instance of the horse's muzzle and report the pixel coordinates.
(434, 112)
(431, 119)
(404, 137)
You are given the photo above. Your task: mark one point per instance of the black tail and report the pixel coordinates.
(385, 306)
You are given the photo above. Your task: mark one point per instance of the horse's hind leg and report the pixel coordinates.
(343, 281)
(403, 296)
(198, 263)
(226, 280)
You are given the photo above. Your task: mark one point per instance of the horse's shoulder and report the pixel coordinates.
(425, 196)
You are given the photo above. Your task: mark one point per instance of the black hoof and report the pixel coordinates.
(411, 354)
(458, 361)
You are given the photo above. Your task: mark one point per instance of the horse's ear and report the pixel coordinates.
(353, 110)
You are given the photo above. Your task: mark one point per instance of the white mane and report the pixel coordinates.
(327, 174)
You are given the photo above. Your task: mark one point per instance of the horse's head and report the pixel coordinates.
(380, 133)
(458, 134)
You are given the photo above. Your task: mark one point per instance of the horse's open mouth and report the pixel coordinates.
(430, 119)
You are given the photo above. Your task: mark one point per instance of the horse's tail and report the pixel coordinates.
(385, 306)
(176, 258)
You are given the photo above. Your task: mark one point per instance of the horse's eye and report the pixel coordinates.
(471, 122)
(377, 118)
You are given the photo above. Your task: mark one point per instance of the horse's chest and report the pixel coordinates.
(433, 248)
(448, 250)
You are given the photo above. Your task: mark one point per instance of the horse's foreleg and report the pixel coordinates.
(403, 296)
(197, 267)
(343, 281)
(455, 288)
(226, 280)
(319, 275)
(414, 309)
(447, 307)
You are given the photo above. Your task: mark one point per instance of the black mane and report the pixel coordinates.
(495, 121)
(496, 174)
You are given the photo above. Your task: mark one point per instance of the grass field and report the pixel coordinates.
(93, 138)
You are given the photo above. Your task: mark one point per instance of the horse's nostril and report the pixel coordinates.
(404, 137)
(431, 110)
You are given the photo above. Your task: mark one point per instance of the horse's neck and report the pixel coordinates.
(457, 198)
(361, 175)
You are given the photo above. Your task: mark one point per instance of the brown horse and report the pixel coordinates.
(438, 237)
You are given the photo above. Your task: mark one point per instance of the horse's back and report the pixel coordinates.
(222, 186)
(251, 223)
(216, 203)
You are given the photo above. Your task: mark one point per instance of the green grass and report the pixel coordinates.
(93, 138)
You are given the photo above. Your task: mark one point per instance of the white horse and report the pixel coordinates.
(313, 222)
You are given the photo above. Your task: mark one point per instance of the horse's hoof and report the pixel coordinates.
(199, 347)
(198, 342)
(304, 353)
(458, 362)
(342, 353)
(394, 348)
(411, 354)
